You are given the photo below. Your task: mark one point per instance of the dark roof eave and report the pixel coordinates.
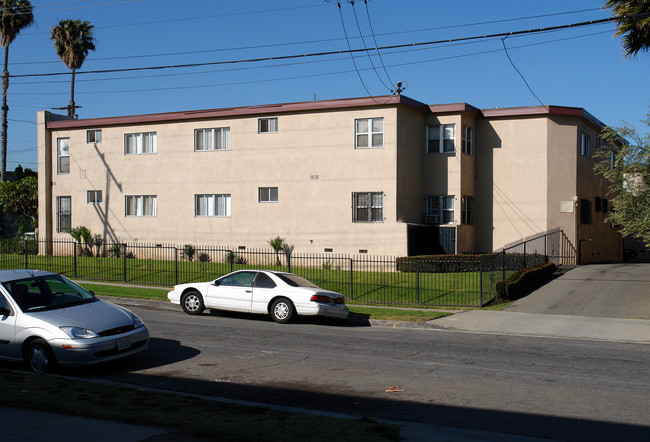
(543, 110)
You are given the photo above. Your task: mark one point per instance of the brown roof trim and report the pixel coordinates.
(270, 109)
(454, 108)
(542, 110)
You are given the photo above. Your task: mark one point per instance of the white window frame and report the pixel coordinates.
(266, 194)
(440, 209)
(468, 140)
(585, 144)
(373, 136)
(212, 205)
(141, 205)
(445, 135)
(270, 125)
(94, 196)
(143, 143)
(368, 204)
(63, 212)
(62, 156)
(94, 136)
(216, 138)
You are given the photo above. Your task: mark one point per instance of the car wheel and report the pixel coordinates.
(192, 303)
(282, 310)
(39, 357)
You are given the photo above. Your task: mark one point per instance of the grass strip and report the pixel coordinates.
(180, 414)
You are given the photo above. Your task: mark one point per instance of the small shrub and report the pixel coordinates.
(204, 257)
(131, 255)
(115, 250)
(233, 258)
(188, 252)
(327, 265)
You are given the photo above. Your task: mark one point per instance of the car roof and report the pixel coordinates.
(14, 274)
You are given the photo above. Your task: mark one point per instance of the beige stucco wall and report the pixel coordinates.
(311, 159)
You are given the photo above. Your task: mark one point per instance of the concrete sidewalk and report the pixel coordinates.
(553, 326)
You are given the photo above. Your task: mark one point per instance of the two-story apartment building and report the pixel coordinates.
(379, 175)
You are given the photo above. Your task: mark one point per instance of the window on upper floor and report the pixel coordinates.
(585, 211)
(441, 138)
(93, 136)
(141, 205)
(267, 125)
(212, 139)
(63, 213)
(368, 207)
(467, 209)
(268, 194)
(369, 133)
(468, 140)
(94, 196)
(212, 205)
(585, 145)
(140, 143)
(439, 209)
(62, 156)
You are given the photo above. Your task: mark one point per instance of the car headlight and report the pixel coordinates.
(137, 322)
(79, 332)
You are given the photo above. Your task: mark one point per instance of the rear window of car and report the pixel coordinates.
(295, 280)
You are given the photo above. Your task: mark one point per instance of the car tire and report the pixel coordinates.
(282, 310)
(192, 303)
(39, 357)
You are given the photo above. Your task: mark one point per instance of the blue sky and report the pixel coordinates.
(581, 67)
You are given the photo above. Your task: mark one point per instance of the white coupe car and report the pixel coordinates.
(278, 294)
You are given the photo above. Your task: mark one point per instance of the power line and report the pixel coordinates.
(337, 52)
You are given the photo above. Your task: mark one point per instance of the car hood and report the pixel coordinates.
(97, 316)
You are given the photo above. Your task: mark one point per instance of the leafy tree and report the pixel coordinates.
(15, 15)
(277, 243)
(73, 40)
(627, 169)
(633, 24)
(21, 197)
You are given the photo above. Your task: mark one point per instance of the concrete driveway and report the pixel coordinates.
(609, 302)
(599, 290)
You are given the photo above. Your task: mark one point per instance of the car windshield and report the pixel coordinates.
(295, 280)
(47, 293)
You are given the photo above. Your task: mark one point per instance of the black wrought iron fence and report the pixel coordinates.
(449, 280)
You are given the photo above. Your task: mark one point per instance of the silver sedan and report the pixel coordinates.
(47, 320)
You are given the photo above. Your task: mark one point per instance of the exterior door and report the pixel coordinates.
(233, 292)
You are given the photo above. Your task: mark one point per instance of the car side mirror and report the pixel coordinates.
(216, 282)
(4, 311)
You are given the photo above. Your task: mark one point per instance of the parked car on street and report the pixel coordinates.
(278, 294)
(46, 320)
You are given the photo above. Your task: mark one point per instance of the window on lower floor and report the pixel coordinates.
(467, 209)
(268, 194)
(585, 211)
(63, 213)
(94, 196)
(441, 138)
(62, 156)
(369, 133)
(439, 209)
(212, 205)
(140, 143)
(368, 207)
(141, 205)
(212, 139)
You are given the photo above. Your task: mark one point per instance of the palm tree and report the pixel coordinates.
(14, 16)
(73, 40)
(277, 243)
(633, 24)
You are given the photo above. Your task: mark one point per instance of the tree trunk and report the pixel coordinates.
(71, 107)
(5, 111)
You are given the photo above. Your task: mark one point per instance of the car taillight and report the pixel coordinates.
(321, 298)
(340, 300)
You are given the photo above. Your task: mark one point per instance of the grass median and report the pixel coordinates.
(180, 414)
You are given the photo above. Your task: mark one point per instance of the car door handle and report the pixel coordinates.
(249, 291)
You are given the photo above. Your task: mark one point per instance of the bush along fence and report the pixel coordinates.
(442, 280)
